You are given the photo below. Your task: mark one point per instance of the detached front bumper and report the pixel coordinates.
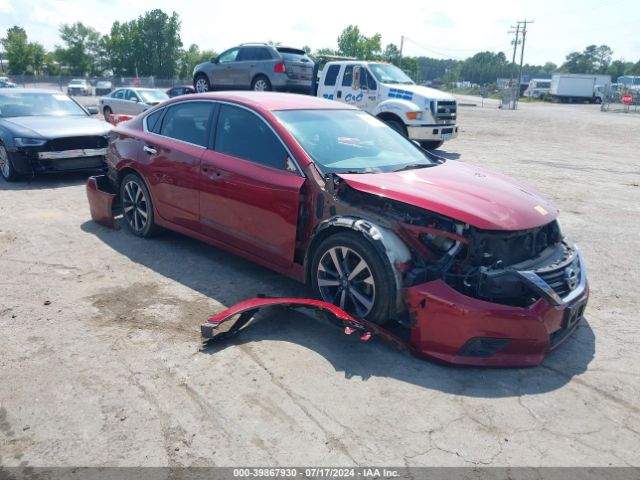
(454, 328)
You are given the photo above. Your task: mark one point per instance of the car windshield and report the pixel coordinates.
(152, 96)
(387, 73)
(30, 104)
(76, 82)
(351, 141)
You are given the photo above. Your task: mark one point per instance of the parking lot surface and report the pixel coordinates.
(99, 334)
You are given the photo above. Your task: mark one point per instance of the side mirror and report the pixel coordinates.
(135, 99)
(214, 59)
(92, 110)
(355, 82)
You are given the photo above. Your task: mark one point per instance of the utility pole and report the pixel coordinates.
(513, 62)
(401, 45)
(524, 37)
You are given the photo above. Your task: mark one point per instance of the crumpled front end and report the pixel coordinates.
(452, 327)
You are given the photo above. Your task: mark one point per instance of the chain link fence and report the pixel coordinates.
(60, 82)
(620, 99)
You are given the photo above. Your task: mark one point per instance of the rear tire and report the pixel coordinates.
(431, 144)
(137, 207)
(261, 84)
(7, 170)
(201, 83)
(347, 271)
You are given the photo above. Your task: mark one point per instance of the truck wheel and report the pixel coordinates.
(201, 83)
(137, 208)
(7, 170)
(347, 271)
(431, 144)
(398, 127)
(261, 84)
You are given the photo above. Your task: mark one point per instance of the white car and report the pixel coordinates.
(131, 101)
(79, 86)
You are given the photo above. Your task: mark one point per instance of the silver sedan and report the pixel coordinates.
(131, 101)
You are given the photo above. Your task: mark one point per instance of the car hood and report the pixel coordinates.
(469, 194)
(426, 92)
(55, 127)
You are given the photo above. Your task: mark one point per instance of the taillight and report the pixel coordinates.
(280, 68)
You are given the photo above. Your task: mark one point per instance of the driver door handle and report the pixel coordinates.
(150, 150)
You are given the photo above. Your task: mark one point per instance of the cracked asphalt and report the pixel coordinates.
(99, 339)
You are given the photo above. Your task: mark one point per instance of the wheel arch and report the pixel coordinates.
(383, 239)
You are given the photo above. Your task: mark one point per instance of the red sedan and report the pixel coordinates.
(471, 265)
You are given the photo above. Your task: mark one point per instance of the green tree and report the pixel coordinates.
(37, 53)
(190, 58)
(353, 44)
(159, 43)
(593, 59)
(17, 50)
(149, 45)
(549, 68)
(483, 67)
(81, 49)
(391, 54)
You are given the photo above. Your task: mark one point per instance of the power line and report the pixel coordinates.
(513, 61)
(524, 38)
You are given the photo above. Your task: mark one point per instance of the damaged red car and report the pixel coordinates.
(470, 266)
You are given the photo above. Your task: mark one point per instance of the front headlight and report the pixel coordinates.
(29, 142)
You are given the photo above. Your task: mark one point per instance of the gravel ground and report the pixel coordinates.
(100, 361)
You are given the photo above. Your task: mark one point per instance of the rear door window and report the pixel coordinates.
(332, 75)
(118, 94)
(188, 122)
(241, 133)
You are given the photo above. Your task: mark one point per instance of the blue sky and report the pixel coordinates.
(439, 29)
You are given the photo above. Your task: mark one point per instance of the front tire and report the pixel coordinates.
(261, 84)
(107, 111)
(137, 208)
(347, 271)
(7, 170)
(431, 144)
(398, 127)
(201, 83)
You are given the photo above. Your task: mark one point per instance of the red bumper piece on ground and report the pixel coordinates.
(100, 196)
(447, 326)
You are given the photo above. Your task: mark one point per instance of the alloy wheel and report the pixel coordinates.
(260, 85)
(135, 206)
(201, 85)
(345, 279)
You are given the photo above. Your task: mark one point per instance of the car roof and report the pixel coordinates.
(274, 100)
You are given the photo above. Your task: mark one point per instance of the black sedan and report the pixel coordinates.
(43, 131)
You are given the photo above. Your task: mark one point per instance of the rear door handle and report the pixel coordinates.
(150, 150)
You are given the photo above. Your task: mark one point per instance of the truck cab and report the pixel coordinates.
(423, 114)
